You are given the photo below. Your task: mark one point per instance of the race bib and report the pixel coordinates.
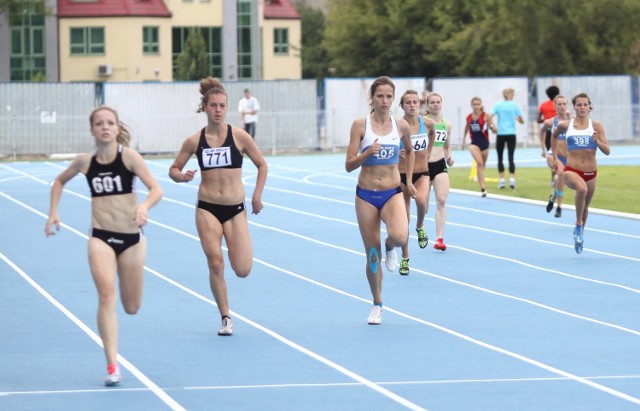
(420, 142)
(216, 157)
(441, 138)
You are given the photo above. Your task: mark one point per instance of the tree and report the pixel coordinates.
(370, 38)
(192, 62)
(482, 38)
(315, 62)
(20, 7)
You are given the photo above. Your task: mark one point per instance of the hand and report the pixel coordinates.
(450, 161)
(256, 205)
(596, 137)
(413, 192)
(543, 153)
(188, 176)
(52, 221)
(374, 149)
(402, 153)
(140, 215)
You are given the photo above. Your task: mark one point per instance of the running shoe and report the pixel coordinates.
(558, 213)
(404, 266)
(501, 184)
(440, 245)
(512, 183)
(227, 326)
(391, 260)
(552, 199)
(578, 239)
(113, 375)
(484, 193)
(375, 316)
(423, 239)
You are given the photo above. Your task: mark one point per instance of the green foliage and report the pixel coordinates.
(315, 63)
(482, 38)
(17, 8)
(192, 62)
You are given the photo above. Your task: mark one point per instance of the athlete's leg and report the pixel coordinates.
(238, 240)
(131, 275)
(441, 190)
(210, 233)
(369, 224)
(102, 260)
(407, 202)
(591, 190)
(575, 182)
(480, 158)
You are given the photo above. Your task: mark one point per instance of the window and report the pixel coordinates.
(281, 41)
(26, 41)
(87, 41)
(213, 42)
(245, 60)
(150, 40)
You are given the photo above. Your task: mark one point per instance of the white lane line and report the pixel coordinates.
(381, 390)
(173, 404)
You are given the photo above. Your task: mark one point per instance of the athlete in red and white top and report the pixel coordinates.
(478, 125)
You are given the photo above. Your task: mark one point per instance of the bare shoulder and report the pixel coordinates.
(81, 162)
(357, 127)
(191, 143)
(428, 121)
(401, 122)
(241, 138)
(358, 122)
(131, 156)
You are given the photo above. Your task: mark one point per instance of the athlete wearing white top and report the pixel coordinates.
(389, 144)
(584, 137)
(374, 143)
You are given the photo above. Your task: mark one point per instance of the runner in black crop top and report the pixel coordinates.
(110, 179)
(226, 156)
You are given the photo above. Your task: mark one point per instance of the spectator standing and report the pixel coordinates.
(508, 113)
(248, 108)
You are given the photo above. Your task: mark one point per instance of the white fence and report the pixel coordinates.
(49, 118)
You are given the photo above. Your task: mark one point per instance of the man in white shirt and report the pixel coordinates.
(248, 108)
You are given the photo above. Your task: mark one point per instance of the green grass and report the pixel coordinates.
(618, 187)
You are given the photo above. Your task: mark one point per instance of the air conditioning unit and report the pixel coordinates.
(104, 70)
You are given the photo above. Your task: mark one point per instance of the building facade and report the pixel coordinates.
(140, 40)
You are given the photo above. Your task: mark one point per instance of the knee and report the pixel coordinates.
(131, 308)
(421, 202)
(107, 298)
(581, 190)
(398, 238)
(243, 272)
(216, 265)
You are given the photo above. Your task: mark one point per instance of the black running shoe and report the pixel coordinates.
(552, 199)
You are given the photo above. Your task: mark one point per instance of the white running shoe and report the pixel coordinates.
(227, 327)
(512, 183)
(113, 375)
(375, 316)
(391, 260)
(501, 184)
